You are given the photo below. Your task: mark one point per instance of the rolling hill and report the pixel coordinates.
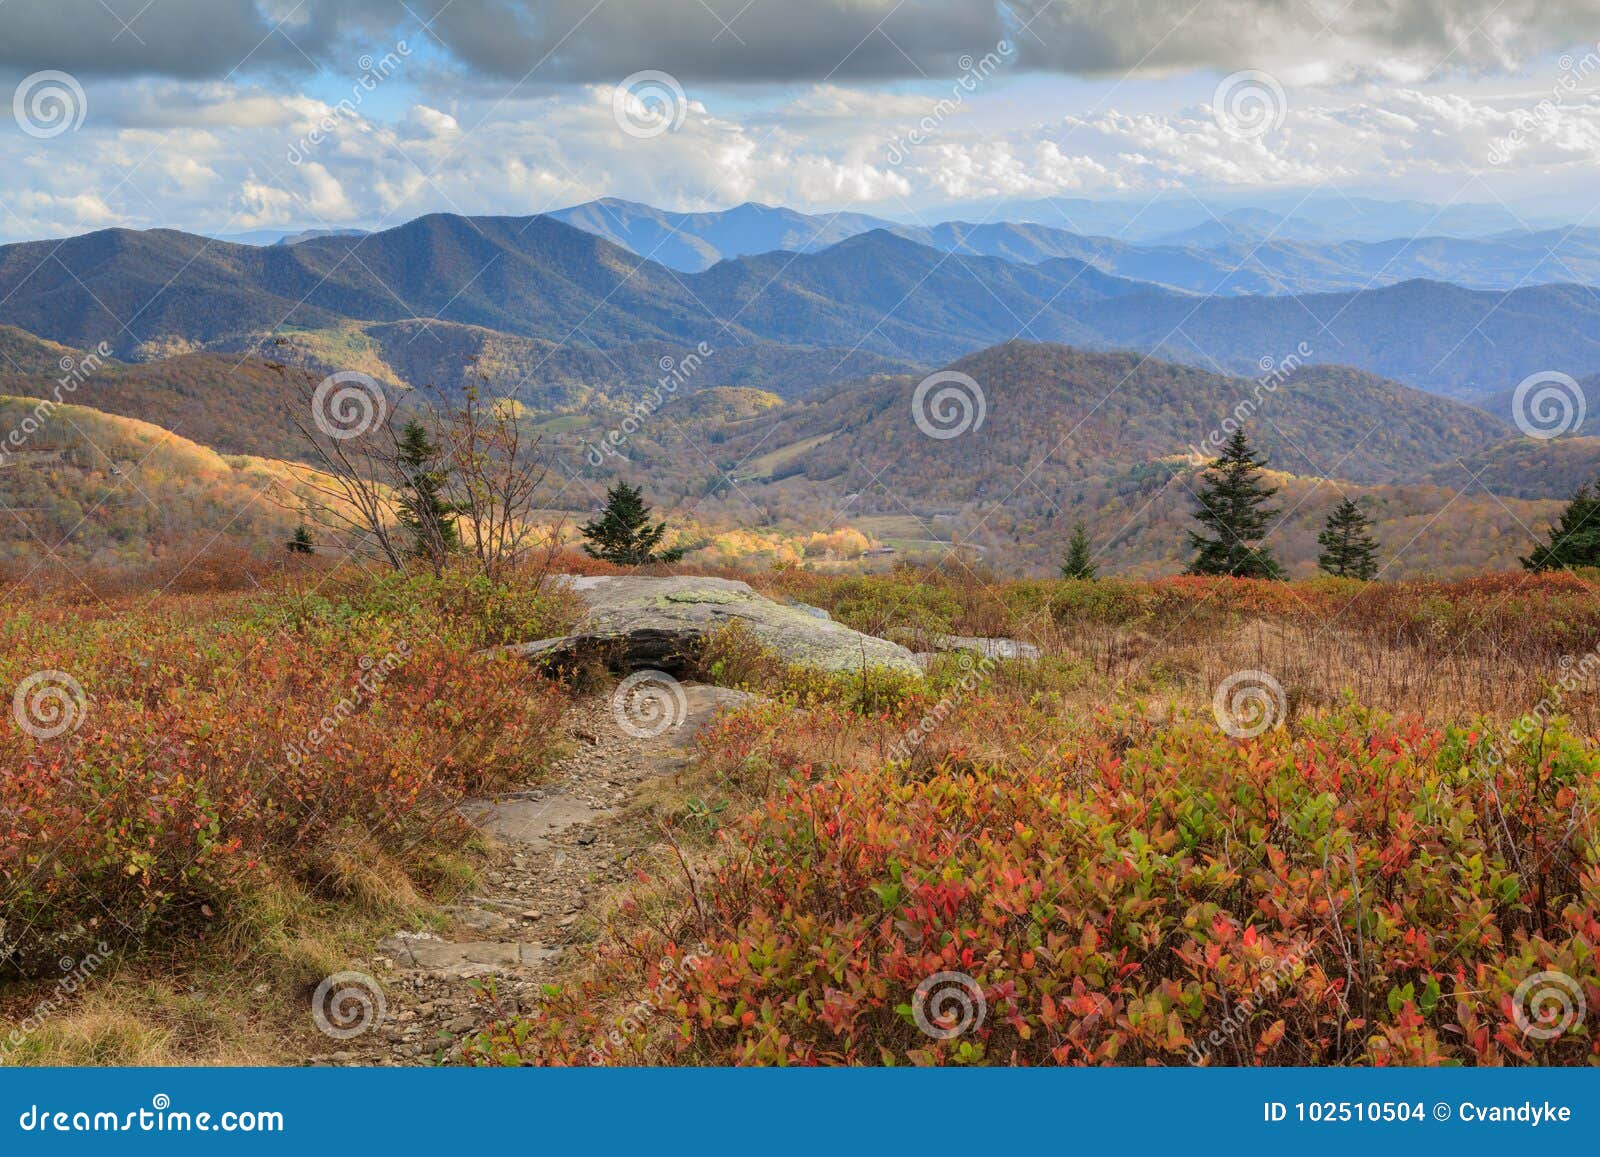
(226, 404)
(1502, 405)
(159, 293)
(1113, 439)
(1062, 413)
(150, 293)
(238, 403)
(94, 488)
(22, 353)
(1525, 468)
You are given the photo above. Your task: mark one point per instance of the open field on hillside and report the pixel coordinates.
(1395, 835)
(1357, 853)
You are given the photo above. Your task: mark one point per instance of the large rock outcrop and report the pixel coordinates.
(634, 622)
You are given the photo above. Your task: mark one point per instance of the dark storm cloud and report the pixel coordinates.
(187, 38)
(773, 40)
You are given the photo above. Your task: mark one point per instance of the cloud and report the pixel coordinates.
(766, 41)
(237, 156)
(180, 38)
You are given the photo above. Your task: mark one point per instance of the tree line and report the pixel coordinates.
(1232, 507)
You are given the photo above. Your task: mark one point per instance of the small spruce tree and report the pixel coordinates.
(1348, 548)
(1079, 563)
(301, 542)
(623, 534)
(1232, 506)
(1574, 539)
(424, 512)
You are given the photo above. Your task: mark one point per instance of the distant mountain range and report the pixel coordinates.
(1177, 215)
(1244, 252)
(1176, 219)
(536, 279)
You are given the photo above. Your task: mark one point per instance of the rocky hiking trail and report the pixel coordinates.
(559, 848)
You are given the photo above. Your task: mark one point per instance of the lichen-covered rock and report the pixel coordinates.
(989, 648)
(632, 622)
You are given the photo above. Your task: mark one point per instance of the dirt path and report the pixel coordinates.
(561, 847)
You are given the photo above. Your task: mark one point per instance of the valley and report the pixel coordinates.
(323, 706)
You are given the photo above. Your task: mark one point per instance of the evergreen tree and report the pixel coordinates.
(1574, 539)
(623, 534)
(301, 542)
(1348, 548)
(424, 513)
(1079, 563)
(1232, 506)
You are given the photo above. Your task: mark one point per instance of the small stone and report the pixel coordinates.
(533, 914)
(586, 839)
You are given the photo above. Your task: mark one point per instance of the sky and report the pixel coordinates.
(234, 116)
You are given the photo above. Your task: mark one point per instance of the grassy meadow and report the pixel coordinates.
(1358, 853)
